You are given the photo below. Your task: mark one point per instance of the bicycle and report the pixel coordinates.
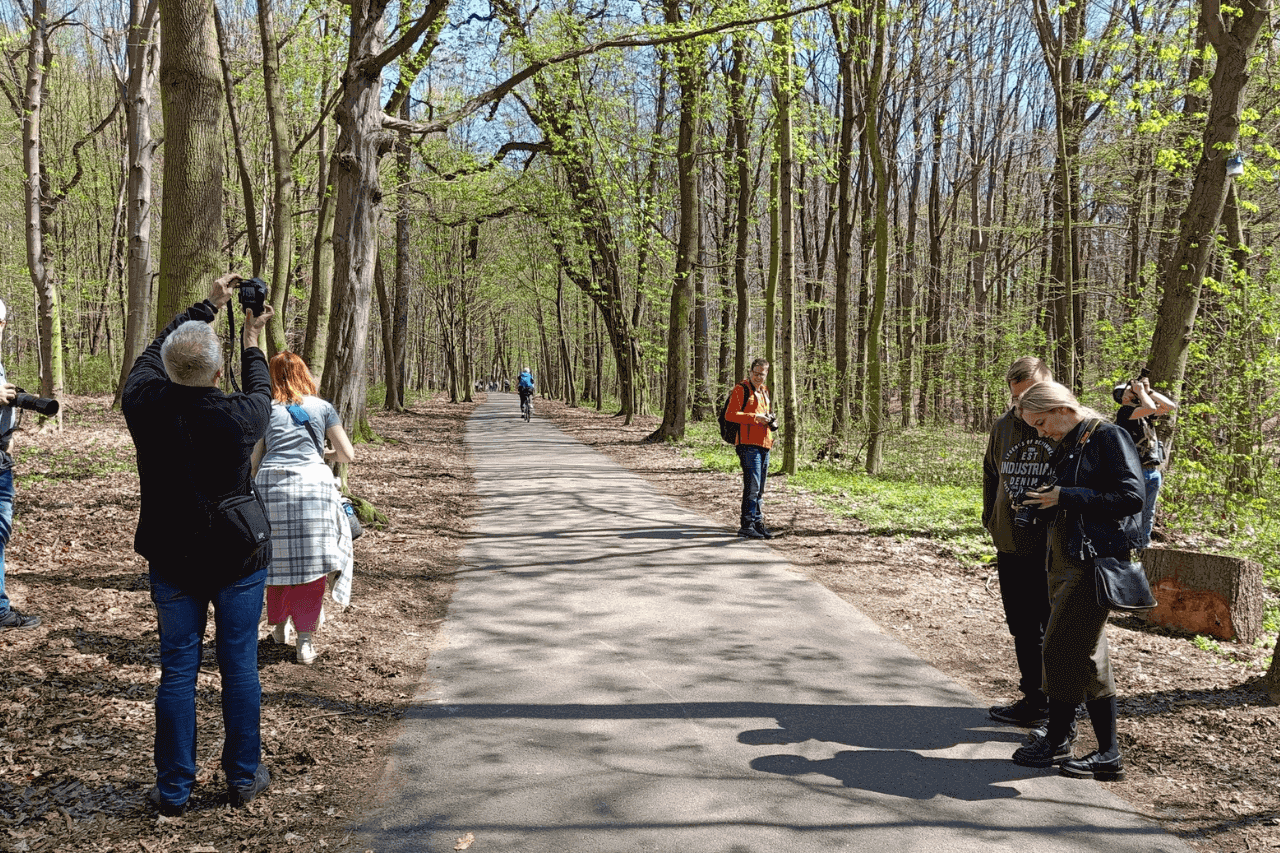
(526, 408)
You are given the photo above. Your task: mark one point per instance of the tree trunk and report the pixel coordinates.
(1183, 276)
(785, 389)
(282, 225)
(142, 56)
(191, 224)
(690, 73)
(876, 414)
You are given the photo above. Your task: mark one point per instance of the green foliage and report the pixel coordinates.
(92, 374)
(1224, 478)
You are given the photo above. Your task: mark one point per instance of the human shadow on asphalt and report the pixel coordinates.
(888, 740)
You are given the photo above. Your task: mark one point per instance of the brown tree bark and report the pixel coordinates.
(1234, 38)
(191, 224)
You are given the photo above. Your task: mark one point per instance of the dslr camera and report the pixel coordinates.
(253, 294)
(1025, 516)
(772, 423)
(46, 406)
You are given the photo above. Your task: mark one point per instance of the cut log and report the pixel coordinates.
(1205, 593)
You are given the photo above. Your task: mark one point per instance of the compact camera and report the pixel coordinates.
(1026, 513)
(253, 295)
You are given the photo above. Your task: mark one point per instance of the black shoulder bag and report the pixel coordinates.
(238, 526)
(1118, 584)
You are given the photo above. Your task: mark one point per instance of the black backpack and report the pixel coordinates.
(728, 428)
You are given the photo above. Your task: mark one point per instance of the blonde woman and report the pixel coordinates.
(1095, 507)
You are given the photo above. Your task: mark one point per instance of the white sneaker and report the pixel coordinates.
(307, 653)
(280, 634)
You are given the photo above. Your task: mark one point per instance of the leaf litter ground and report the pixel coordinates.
(1201, 739)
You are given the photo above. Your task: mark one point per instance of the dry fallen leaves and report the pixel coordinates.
(465, 841)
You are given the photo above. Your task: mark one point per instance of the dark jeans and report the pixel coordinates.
(1024, 591)
(6, 527)
(182, 617)
(755, 470)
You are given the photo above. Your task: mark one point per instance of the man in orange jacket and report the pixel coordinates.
(755, 436)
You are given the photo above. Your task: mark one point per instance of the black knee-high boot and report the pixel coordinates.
(1061, 716)
(1102, 713)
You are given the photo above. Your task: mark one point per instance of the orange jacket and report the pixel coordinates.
(742, 412)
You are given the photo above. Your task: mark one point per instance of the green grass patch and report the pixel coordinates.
(930, 486)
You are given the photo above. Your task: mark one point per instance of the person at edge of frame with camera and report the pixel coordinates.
(10, 616)
(194, 444)
(1094, 508)
(1018, 459)
(756, 424)
(1139, 403)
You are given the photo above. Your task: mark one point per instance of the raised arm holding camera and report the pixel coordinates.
(1139, 403)
(194, 444)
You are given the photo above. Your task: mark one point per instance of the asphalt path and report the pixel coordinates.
(620, 674)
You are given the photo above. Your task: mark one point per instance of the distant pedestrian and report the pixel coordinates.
(1095, 508)
(1017, 459)
(749, 407)
(1139, 403)
(309, 529)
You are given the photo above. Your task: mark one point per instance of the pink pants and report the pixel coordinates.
(301, 601)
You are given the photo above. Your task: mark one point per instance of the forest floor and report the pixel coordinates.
(1201, 738)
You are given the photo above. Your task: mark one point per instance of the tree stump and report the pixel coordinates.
(1205, 593)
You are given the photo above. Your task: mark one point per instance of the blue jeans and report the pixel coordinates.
(6, 529)
(1152, 478)
(755, 470)
(182, 617)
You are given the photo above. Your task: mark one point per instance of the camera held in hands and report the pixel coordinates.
(253, 295)
(772, 422)
(1026, 513)
(46, 406)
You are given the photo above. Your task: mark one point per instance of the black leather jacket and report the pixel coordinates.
(1102, 493)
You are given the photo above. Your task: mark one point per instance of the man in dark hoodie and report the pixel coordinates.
(1017, 459)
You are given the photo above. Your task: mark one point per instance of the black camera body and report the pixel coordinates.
(46, 406)
(772, 423)
(1025, 516)
(253, 295)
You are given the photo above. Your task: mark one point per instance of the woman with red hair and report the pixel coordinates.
(310, 534)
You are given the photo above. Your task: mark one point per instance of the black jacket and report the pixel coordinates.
(194, 447)
(1102, 493)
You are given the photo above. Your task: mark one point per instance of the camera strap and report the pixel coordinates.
(231, 347)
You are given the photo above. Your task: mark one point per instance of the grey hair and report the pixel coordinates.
(192, 354)
(1047, 396)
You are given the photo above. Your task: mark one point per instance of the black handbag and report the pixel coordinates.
(239, 525)
(1119, 584)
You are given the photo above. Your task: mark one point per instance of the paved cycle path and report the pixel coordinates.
(620, 674)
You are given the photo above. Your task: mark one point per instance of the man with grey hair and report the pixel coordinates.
(1017, 459)
(194, 445)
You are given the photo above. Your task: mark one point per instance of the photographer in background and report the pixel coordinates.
(756, 424)
(1139, 403)
(194, 444)
(10, 616)
(1017, 459)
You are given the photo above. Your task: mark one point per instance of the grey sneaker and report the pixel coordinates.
(240, 795)
(15, 618)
